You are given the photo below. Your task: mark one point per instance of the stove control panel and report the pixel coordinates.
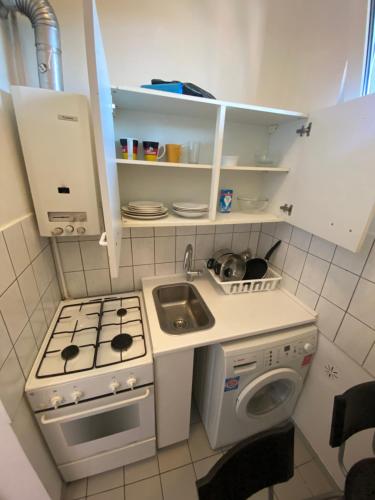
(114, 386)
(131, 381)
(56, 401)
(77, 395)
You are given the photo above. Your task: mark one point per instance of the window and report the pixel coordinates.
(369, 76)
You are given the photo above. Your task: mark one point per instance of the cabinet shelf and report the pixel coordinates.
(221, 219)
(251, 168)
(144, 163)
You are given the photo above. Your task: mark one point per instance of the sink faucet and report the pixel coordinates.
(188, 264)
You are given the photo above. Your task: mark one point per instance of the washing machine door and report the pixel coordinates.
(273, 395)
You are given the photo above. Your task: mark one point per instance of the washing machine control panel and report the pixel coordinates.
(279, 354)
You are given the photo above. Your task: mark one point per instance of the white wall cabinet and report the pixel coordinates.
(327, 177)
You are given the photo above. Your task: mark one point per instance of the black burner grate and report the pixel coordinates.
(71, 351)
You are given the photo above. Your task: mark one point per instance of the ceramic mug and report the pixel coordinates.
(129, 148)
(173, 153)
(152, 151)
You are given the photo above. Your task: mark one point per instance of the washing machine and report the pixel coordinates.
(247, 386)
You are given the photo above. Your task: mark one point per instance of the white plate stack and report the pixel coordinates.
(144, 210)
(190, 210)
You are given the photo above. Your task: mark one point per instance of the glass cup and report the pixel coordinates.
(194, 151)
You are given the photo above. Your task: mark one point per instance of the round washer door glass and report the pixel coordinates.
(275, 392)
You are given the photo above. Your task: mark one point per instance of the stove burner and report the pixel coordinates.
(121, 342)
(122, 312)
(70, 352)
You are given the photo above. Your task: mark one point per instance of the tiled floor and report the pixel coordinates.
(171, 475)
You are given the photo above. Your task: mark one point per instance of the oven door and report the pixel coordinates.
(102, 424)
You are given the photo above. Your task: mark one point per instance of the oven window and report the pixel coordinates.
(102, 425)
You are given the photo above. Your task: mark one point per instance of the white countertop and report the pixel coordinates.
(236, 316)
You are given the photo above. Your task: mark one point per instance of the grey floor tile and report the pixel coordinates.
(174, 456)
(148, 489)
(294, 489)
(76, 489)
(141, 470)
(301, 453)
(179, 484)
(198, 443)
(316, 479)
(116, 494)
(202, 467)
(261, 495)
(105, 481)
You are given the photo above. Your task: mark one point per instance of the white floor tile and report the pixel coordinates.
(117, 494)
(261, 495)
(301, 453)
(179, 484)
(198, 443)
(202, 467)
(76, 489)
(105, 481)
(141, 470)
(148, 489)
(294, 489)
(173, 456)
(315, 479)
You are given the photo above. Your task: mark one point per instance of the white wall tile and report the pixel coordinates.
(264, 244)
(253, 242)
(322, 248)
(339, 286)
(185, 230)
(26, 349)
(143, 251)
(223, 241)
(34, 242)
(200, 265)
(369, 363)
(142, 232)
(256, 227)
(240, 242)
(13, 311)
(363, 302)
(29, 290)
(126, 256)
(165, 249)
(206, 229)
(181, 244)
(269, 228)
(7, 275)
(5, 343)
(142, 272)
(300, 238)
(124, 282)
(350, 261)
(224, 228)
(94, 256)
(98, 282)
(17, 249)
(294, 261)
(307, 296)
(38, 324)
(12, 383)
(42, 270)
(204, 246)
(283, 231)
(355, 338)
(242, 228)
(76, 284)
(330, 317)
(165, 231)
(369, 270)
(278, 257)
(314, 273)
(289, 283)
(48, 304)
(70, 254)
(165, 269)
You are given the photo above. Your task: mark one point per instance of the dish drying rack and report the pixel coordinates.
(266, 284)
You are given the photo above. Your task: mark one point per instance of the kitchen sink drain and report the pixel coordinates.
(180, 323)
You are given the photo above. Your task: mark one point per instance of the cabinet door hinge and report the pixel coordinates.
(287, 208)
(304, 130)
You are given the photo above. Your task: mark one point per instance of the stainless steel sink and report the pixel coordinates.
(181, 309)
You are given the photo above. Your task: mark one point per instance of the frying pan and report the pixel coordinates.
(256, 268)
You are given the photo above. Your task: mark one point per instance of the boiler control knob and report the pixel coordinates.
(131, 382)
(307, 347)
(114, 385)
(69, 229)
(81, 230)
(56, 401)
(57, 231)
(76, 396)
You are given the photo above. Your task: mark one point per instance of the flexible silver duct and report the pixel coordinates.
(47, 39)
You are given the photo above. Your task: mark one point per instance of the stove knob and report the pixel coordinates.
(76, 396)
(131, 382)
(69, 229)
(114, 386)
(56, 401)
(81, 230)
(57, 231)
(307, 347)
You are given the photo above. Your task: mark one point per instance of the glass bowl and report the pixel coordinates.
(251, 205)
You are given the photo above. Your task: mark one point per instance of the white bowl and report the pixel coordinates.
(229, 161)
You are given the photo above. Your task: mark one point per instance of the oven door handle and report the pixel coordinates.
(117, 404)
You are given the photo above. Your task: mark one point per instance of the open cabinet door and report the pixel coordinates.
(332, 182)
(101, 110)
